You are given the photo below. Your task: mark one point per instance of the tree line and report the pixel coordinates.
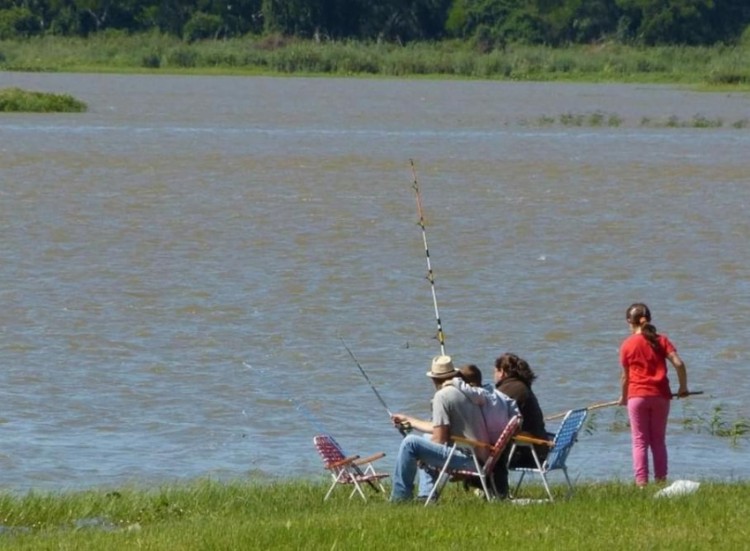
(489, 23)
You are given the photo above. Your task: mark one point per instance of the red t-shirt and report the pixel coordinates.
(646, 367)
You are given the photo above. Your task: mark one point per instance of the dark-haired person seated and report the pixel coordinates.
(513, 377)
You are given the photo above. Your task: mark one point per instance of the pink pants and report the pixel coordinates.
(648, 429)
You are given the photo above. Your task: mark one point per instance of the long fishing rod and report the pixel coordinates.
(589, 408)
(691, 393)
(613, 403)
(430, 275)
(403, 427)
(364, 374)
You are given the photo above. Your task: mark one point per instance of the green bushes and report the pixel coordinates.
(111, 50)
(182, 57)
(18, 22)
(151, 60)
(202, 26)
(17, 100)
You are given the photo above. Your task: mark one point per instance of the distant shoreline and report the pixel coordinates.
(716, 68)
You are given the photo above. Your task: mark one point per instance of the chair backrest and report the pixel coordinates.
(505, 438)
(328, 448)
(565, 438)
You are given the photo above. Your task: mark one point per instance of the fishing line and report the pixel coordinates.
(430, 275)
(312, 419)
(319, 429)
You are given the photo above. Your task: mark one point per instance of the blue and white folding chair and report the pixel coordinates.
(560, 448)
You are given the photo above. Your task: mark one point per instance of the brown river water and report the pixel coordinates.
(181, 263)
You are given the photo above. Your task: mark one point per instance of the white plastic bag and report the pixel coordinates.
(678, 488)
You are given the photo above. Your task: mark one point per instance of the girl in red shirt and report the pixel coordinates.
(646, 392)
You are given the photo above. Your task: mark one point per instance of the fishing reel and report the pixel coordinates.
(404, 428)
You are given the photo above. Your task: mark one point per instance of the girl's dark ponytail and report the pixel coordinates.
(639, 315)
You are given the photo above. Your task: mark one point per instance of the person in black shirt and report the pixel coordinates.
(513, 377)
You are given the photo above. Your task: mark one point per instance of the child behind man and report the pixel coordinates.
(497, 409)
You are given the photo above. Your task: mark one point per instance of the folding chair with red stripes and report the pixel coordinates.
(352, 470)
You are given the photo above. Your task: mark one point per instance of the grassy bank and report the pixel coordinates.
(117, 52)
(14, 100)
(292, 515)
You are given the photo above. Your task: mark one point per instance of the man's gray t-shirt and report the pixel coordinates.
(497, 408)
(452, 407)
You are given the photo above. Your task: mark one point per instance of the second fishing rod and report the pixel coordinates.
(405, 428)
(430, 274)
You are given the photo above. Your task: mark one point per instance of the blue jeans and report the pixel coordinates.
(417, 448)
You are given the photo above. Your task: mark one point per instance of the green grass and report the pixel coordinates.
(17, 100)
(715, 67)
(292, 515)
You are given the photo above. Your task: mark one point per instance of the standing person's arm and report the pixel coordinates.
(679, 366)
(624, 379)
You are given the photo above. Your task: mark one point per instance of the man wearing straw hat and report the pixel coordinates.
(453, 413)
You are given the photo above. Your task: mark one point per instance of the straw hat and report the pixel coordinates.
(442, 368)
